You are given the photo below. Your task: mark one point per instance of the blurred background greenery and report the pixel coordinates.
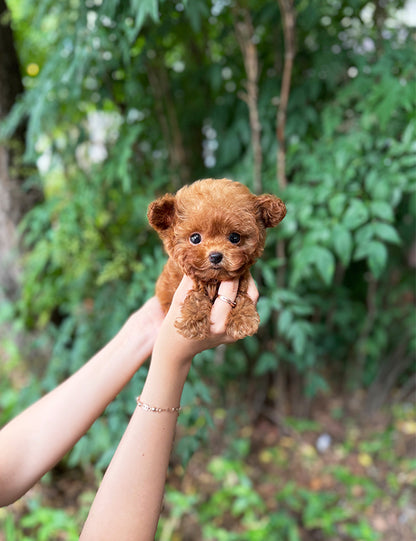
(105, 105)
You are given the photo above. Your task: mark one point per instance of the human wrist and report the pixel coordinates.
(165, 381)
(157, 409)
(173, 363)
(172, 352)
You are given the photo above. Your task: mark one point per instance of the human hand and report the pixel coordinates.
(154, 313)
(142, 328)
(173, 345)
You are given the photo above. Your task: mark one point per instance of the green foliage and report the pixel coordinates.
(18, 388)
(43, 523)
(273, 492)
(263, 492)
(136, 98)
(297, 509)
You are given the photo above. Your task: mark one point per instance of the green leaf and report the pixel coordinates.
(372, 180)
(325, 264)
(268, 362)
(317, 256)
(381, 209)
(315, 383)
(356, 214)
(269, 276)
(364, 234)
(298, 334)
(285, 321)
(144, 9)
(342, 242)
(202, 391)
(337, 204)
(264, 309)
(376, 254)
(387, 232)
(188, 394)
(196, 11)
(409, 134)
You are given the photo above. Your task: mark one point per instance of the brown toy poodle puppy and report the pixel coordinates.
(213, 230)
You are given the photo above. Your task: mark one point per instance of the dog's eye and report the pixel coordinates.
(195, 238)
(234, 238)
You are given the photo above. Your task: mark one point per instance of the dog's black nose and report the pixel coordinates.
(215, 257)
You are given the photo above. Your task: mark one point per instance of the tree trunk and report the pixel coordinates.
(245, 36)
(14, 201)
(168, 119)
(287, 13)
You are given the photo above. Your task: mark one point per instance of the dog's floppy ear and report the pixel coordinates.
(270, 209)
(161, 213)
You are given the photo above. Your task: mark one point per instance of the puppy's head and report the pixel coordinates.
(215, 228)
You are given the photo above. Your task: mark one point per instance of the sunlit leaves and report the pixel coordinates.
(350, 138)
(144, 9)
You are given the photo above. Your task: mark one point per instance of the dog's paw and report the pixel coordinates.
(194, 321)
(243, 319)
(192, 330)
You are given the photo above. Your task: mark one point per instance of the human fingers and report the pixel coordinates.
(227, 293)
(252, 290)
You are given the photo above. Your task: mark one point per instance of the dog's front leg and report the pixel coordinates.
(243, 320)
(194, 321)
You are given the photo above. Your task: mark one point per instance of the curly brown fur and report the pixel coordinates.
(213, 230)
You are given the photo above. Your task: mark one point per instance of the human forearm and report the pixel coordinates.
(41, 435)
(127, 505)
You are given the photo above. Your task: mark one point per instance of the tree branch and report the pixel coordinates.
(288, 20)
(245, 33)
(168, 120)
(390, 371)
(287, 14)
